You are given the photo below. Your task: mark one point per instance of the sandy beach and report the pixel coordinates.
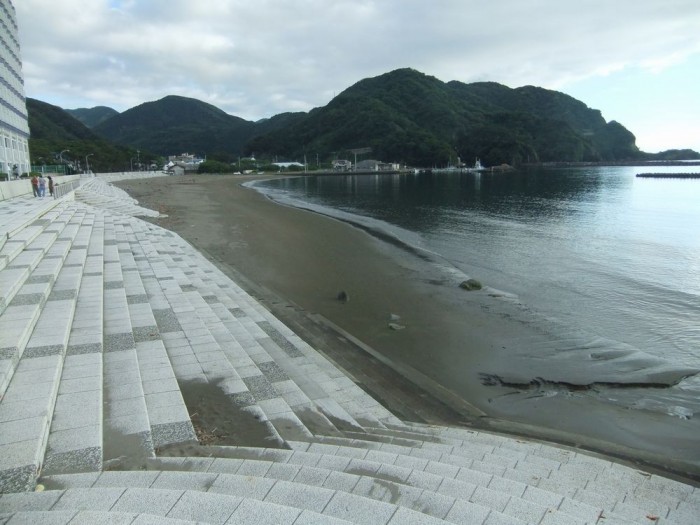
(297, 262)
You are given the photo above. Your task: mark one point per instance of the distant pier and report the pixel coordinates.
(669, 175)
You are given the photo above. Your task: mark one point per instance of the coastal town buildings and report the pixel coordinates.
(14, 122)
(342, 165)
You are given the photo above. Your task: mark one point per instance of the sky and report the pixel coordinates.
(637, 61)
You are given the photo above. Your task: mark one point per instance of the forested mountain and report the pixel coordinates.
(91, 117)
(53, 130)
(175, 125)
(406, 116)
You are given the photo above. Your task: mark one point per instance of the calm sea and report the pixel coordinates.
(594, 248)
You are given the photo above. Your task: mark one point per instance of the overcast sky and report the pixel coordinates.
(638, 61)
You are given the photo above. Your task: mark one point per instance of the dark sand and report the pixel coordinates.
(296, 262)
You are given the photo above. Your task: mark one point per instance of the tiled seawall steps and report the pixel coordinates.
(313, 481)
(100, 194)
(151, 268)
(33, 258)
(139, 506)
(186, 298)
(36, 326)
(580, 487)
(251, 329)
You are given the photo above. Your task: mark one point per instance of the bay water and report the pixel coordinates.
(594, 249)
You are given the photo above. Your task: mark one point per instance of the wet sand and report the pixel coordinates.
(296, 262)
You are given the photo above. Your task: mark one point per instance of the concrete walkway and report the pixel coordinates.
(118, 339)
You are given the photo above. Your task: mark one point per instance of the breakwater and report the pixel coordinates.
(669, 175)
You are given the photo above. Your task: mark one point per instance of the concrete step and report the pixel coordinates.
(75, 438)
(23, 252)
(167, 414)
(127, 431)
(612, 501)
(431, 494)
(153, 505)
(25, 416)
(16, 214)
(583, 476)
(264, 344)
(19, 319)
(207, 360)
(27, 428)
(329, 503)
(616, 489)
(97, 192)
(63, 517)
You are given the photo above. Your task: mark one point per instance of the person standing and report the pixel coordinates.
(50, 185)
(42, 186)
(35, 185)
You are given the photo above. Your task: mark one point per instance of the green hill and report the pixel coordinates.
(177, 124)
(92, 117)
(405, 116)
(408, 117)
(53, 130)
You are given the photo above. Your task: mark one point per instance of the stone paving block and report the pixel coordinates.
(490, 499)
(262, 513)
(71, 413)
(89, 499)
(78, 460)
(313, 476)
(496, 518)
(76, 438)
(168, 415)
(358, 509)
(299, 496)
(152, 501)
(86, 517)
(57, 517)
(244, 486)
(182, 480)
(204, 507)
(579, 510)
(557, 518)
(160, 385)
(407, 516)
(25, 501)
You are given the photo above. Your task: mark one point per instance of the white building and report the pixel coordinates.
(14, 124)
(342, 165)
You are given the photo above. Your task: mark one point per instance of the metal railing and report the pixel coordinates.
(59, 190)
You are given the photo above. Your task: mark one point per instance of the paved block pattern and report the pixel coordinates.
(107, 320)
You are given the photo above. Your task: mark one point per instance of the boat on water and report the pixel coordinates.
(477, 166)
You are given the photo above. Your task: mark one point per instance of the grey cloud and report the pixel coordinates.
(258, 58)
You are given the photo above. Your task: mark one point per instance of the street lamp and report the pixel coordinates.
(60, 156)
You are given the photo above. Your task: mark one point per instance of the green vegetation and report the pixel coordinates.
(404, 116)
(92, 117)
(175, 125)
(53, 130)
(412, 118)
(673, 154)
(215, 166)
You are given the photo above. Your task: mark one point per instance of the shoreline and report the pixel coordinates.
(268, 245)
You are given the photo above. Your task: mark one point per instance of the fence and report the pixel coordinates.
(59, 190)
(49, 169)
